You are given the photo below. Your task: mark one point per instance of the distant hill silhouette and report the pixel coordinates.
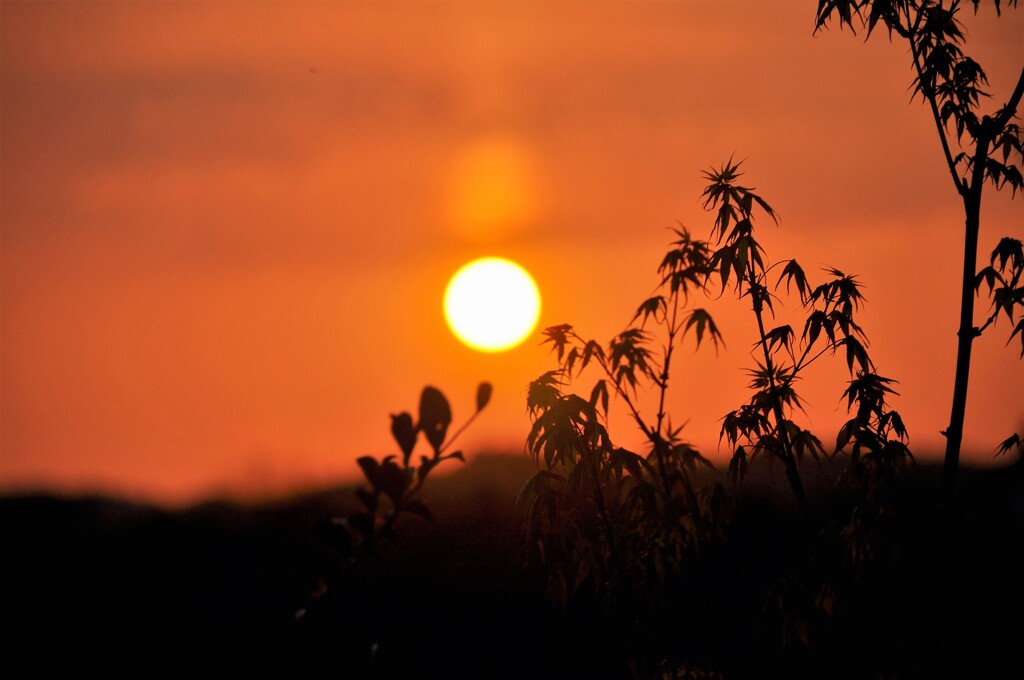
(453, 599)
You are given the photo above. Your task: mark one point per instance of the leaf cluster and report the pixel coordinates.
(1003, 277)
(625, 524)
(951, 82)
(392, 485)
(393, 482)
(599, 515)
(766, 425)
(592, 501)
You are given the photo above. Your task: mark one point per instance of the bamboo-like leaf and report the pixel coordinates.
(650, 307)
(813, 325)
(782, 335)
(558, 336)
(738, 465)
(794, 274)
(1018, 330)
(690, 457)
(1008, 250)
(989, 276)
(1005, 299)
(1011, 442)
(703, 322)
(543, 392)
(570, 360)
(600, 392)
(846, 433)
(590, 350)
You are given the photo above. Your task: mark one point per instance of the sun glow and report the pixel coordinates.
(492, 304)
(493, 189)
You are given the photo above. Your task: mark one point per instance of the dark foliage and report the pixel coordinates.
(222, 582)
(979, 149)
(625, 531)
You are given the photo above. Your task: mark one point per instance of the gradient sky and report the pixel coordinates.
(227, 227)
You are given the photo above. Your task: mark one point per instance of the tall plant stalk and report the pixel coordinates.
(951, 83)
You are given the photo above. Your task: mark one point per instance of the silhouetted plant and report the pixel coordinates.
(803, 603)
(601, 516)
(991, 147)
(625, 524)
(599, 513)
(394, 482)
(765, 425)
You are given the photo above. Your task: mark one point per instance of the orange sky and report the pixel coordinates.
(227, 227)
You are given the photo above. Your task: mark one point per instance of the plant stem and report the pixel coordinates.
(792, 472)
(989, 129)
(605, 520)
(660, 443)
(967, 332)
(970, 193)
(451, 440)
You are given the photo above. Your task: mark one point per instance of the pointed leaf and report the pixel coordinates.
(1018, 329)
(1013, 441)
(703, 322)
(650, 307)
(600, 392)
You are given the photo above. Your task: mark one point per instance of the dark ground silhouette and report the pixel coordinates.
(454, 600)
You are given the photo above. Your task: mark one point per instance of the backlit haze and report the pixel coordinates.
(228, 227)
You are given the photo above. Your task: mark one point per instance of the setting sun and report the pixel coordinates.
(492, 304)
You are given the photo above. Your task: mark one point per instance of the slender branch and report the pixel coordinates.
(798, 366)
(455, 436)
(629, 402)
(966, 331)
(605, 520)
(981, 329)
(961, 185)
(659, 442)
(634, 411)
(804, 364)
(663, 384)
